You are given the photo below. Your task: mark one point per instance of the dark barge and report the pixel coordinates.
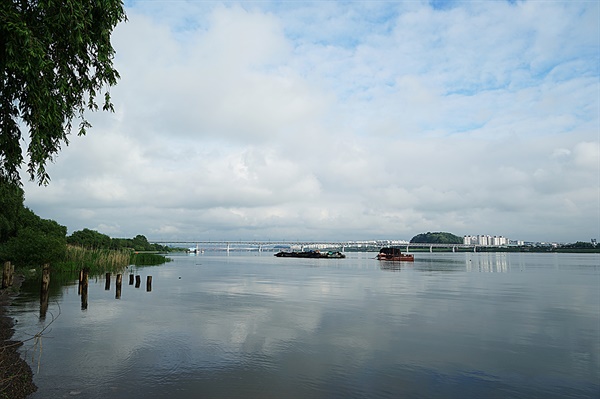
(311, 254)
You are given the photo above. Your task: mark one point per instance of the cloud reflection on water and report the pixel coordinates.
(245, 325)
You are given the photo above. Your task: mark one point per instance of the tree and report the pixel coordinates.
(11, 204)
(89, 239)
(140, 243)
(55, 55)
(36, 241)
(28, 219)
(32, 247)
(436, 238)
(580, 244)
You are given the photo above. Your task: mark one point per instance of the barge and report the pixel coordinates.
(311, 254)
(394, 255)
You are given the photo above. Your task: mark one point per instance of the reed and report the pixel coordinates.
(96, 260)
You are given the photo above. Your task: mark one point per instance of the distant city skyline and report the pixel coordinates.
(480, 240)
(486, 239)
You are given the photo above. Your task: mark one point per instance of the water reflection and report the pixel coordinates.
(249, 326)
(450, 262)
(490, 262)
(424, 262)
(394, 266)
(83, 286)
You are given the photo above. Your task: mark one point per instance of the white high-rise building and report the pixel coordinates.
(485, 240)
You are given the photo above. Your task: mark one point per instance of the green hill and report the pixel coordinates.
(436, 238)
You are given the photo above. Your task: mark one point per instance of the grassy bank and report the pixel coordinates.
(105, 260)
(96, 260)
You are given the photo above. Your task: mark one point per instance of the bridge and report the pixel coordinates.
(260, 245)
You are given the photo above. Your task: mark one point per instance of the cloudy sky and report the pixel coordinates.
(342, 121)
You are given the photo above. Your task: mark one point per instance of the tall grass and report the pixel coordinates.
(105, 260)
(96, 260)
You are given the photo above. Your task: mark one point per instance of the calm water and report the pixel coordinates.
(243, 326)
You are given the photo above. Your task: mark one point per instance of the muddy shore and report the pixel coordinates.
(16, 377)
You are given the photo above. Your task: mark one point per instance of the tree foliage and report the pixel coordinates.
(87, 238)
(30, 241)
(11, 205)
(33, 248)
(36, 241)
(137, 243)
(25, 238)
(580, 244)
(91, 239)
(436, 238)
(55, 56)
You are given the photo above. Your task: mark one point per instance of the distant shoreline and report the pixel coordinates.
(511, 250)
(483, 249)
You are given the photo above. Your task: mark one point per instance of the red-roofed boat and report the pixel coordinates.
(394, 255)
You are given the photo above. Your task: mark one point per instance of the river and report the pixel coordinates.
(251, 325)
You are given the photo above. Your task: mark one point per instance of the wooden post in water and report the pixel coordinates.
(44, 291)
(148, 283)
(107, 283)
(80, 282)
(138, 281)
(84, 289)
(131, 279)
(118, 284)
(11, 275)
(6, 274)
(45, 277)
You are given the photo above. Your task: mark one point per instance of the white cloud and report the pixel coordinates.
(342, 121)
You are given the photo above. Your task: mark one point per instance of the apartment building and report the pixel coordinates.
(485, 240)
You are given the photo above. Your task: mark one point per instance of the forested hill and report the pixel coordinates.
(436, 238)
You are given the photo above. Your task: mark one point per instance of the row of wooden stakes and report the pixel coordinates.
(9, 271)
(119, 281)
(83, 287)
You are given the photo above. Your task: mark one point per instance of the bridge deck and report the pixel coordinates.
(332, 244)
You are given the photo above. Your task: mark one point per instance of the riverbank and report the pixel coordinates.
(16, 377)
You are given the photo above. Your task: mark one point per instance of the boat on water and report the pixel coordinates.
(195, 251)
(311, 254)
(394, 254)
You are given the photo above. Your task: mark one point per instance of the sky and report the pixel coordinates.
(325, 120)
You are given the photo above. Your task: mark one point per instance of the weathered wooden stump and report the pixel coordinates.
(45, 277)
(138, 281)
(148, 283)
(131, 279)
(44, 291)
(107, 282)
(6, 275)
(84, 289)
(80, 282)
(11, 275)
(118, 284)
